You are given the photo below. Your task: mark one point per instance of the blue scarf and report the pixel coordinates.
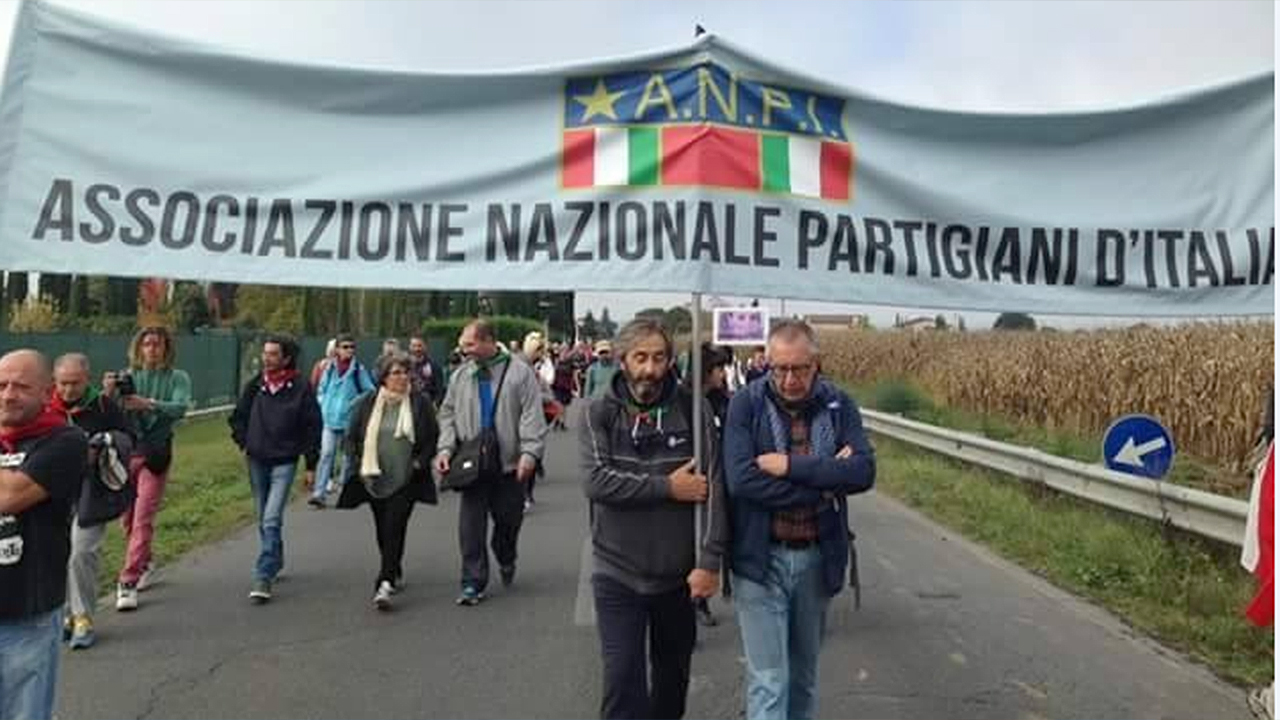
(822, 428)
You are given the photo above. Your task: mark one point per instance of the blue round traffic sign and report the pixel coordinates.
(1138, 445)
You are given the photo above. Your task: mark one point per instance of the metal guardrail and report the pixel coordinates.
(209, 411)
(1206, 514)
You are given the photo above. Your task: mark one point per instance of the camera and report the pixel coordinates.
(124, 384)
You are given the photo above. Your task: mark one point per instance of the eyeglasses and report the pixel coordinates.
(801, 372)
(346, 346)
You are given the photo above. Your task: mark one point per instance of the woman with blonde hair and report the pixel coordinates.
(155, 395)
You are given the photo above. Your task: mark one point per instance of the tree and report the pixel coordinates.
(960, 323)
(939, 322)
(190, 307)
(1014, 321)
(39, 315)
(654, 313)
(678, 320)
(608, 328)
(590, 328)
(277, 309)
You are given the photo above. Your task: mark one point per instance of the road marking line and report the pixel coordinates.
(584, 607)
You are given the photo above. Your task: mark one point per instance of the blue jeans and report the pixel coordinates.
(29, 666)
(271, 485)
(783, 621)
(330, 454)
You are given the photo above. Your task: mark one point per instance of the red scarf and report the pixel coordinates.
(46, 422)
(276, 379)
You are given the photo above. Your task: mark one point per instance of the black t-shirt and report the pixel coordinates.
(35, 544)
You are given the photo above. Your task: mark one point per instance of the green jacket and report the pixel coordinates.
(599, 376)
(171, 389)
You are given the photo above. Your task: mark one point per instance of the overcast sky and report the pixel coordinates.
(994, 55)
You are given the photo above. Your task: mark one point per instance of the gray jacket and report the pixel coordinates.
(640, 536)
(521, 426)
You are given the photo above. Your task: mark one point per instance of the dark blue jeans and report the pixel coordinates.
(625, 620)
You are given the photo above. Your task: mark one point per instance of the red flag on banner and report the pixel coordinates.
(1258, 556)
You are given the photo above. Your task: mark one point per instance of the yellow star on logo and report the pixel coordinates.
(599, 102)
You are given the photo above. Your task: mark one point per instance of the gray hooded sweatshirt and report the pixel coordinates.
(640, 536)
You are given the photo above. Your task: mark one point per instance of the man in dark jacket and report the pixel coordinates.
(106, 492)
(276, 420)
(794, 449)
(637, 457)
(428, 378)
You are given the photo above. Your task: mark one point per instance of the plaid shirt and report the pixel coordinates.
(797, 524)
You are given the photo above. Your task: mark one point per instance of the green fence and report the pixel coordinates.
(219, 363)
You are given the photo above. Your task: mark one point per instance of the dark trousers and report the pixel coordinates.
(625, 619)
(503, 500)
(391, 521)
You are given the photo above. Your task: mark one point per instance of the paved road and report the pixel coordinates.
(945, 631)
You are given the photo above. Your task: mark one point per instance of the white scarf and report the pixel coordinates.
(404, 429)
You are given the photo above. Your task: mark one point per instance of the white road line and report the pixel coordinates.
(584, 608)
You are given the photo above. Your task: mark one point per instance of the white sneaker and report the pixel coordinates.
(148, 577)
(126, 597)
(1262, 702)
(382, 598)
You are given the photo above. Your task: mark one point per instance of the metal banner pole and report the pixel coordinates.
(695, 367)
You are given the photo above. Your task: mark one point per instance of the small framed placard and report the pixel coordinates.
(740, 326)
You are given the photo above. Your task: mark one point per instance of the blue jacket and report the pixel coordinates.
(336, 393)
(824, 481)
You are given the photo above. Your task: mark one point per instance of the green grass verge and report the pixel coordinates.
(908, 399)
(1186, 592)
(206, 499)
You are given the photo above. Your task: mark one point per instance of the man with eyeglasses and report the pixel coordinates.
(491, 394)
(637, 457)
(345, 379)
(794, 450)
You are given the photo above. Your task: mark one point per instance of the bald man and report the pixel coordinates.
(42, 460)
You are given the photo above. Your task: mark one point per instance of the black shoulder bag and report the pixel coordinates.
(479, 458)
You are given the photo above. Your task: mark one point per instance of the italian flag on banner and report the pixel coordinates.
(707, 155)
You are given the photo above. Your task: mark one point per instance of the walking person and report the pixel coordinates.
(491, 396)
(41, 468)
(428, 378)
(794, 448)
(715, 362)
(599, 374)
(276, 420)
(318, 367)
(390, 443)
(636, 445)
(105, 494)
(155, 396)
(345, 379)
(535, 353)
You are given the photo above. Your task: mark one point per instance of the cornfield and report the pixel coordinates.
(1207, 383)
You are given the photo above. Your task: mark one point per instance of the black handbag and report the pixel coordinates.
(478, 458)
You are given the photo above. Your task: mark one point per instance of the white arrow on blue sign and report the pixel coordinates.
(1138, 445)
